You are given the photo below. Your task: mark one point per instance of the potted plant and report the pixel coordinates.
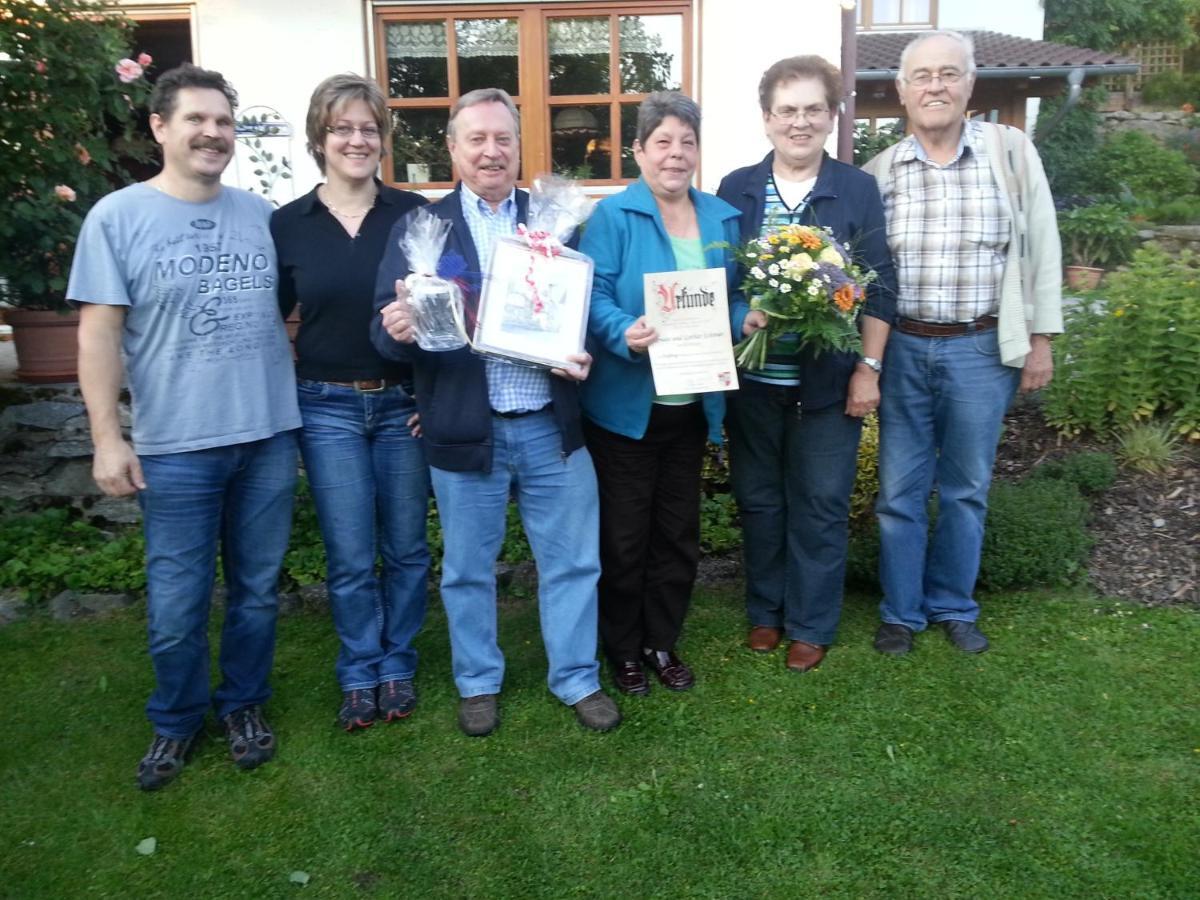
(71, 100)
(1095, 238)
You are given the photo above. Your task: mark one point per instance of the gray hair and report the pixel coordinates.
(661, 104)
(484, 95)
(964, 41)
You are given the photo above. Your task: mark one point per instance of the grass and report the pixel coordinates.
(1064, 763)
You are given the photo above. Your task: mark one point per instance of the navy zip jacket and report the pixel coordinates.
(451, 386)
(846, 201)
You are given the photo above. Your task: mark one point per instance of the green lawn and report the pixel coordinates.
(1064, 763)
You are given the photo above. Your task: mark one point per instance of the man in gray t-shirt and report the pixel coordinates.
(175, 281)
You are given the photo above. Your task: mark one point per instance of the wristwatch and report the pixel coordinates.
(871, 363)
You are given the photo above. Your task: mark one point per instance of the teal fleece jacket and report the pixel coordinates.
(626, 239)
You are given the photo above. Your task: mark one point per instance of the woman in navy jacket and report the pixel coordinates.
(794, 426)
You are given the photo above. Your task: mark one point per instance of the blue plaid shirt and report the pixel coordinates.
(511, 387)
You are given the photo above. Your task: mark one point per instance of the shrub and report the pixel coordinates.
(1135, 353)
(720, 529)
(53, 550)
(1068, 148)
(1180, 211)
(1091, 472)
(866, 479)
(868, 142)
(1035, 535)
(1134, 162)
(1172, 89)
(1099, 235)
(1149, 447)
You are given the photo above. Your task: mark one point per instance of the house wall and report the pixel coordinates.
(274, 52)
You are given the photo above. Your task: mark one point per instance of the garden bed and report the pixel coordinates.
(1147, 527)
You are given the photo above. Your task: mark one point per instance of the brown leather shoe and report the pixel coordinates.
(802, 656)
(674, 675)
(630, 679)
(764, 638)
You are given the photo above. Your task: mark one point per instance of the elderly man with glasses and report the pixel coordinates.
(972, 229)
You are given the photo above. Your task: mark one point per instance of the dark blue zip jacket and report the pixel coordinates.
(847, 201)
(451, 386)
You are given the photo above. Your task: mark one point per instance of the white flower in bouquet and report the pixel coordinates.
(785, 288)
(758, 274)
(833, 257)
(798, 265)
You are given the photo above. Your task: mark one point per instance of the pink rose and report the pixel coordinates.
(64, 193)
(40, 67)
(82, 153)
(127, 70)
(144, 59)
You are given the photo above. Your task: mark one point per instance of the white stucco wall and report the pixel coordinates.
(1022, 18)
(739, 39)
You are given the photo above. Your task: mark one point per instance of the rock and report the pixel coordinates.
(118, 510)
(25, 466)
(46, 414)
(70, 604)
(71, 449)
(18, 490)
(74, 479)
(12, 607)
(314, 596)
(290, 604)
(75, 428)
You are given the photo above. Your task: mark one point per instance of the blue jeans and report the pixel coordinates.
(943, 403)
(239, 497)
(370, 485)
(792, 472)
(557, 499)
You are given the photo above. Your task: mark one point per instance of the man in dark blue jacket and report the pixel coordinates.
(489, 425)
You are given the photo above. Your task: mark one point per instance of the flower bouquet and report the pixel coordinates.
(806, 283)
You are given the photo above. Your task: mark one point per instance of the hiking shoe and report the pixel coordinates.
(397, 700)
(163, 761)
(478, 715)
(966, 636)
(598, 712)
(893, 639)
(358, 709)
(251, 741)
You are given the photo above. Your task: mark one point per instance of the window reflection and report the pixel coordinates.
(487, 54)
(417, 59)
(581, 141)
(419, 152)
(651, 53)
(578, 55)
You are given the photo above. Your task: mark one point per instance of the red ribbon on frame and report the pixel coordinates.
(541, 243)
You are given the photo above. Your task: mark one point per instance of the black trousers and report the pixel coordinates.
(649, 528)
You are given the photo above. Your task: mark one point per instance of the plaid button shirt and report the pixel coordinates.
(511, 387)
(948, 230)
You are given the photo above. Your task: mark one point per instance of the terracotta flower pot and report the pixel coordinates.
(47, 344)
(1083, 278)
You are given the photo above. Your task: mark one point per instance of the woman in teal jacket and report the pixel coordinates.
(648, 449)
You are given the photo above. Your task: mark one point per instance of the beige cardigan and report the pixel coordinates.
(1031, 287)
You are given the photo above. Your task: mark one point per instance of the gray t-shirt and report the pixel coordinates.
(208, 360)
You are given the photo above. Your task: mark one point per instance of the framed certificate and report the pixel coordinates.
(534, 305)
(694, 350)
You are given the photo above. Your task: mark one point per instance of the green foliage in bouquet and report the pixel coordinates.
(1134, 354)
(806, 283)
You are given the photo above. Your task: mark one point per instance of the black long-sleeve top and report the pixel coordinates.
(332, 277)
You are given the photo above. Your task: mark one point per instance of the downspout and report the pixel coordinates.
(845, 142)
(1075, 80)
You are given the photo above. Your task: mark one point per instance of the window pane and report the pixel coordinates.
(885, 12)
(578, 55)
(580, 141)
(416, 59)
(651, 54)
(419, 145)
(916, 11)
(487, 54)
(629, 167)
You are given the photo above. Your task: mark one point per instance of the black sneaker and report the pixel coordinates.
(397, 699)
(358, 709)
(251, 741)
(163, 761)
(893, 639)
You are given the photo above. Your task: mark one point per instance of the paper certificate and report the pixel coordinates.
(690, 312)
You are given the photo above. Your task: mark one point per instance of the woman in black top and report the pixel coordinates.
(365, 467)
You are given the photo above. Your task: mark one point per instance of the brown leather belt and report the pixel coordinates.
(367, 385)
(945, 329)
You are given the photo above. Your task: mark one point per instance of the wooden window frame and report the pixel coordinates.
(868, 18)
(535, 102)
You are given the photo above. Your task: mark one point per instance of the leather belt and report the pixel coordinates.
(367, 385)
(945, 329)
(518, 413)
